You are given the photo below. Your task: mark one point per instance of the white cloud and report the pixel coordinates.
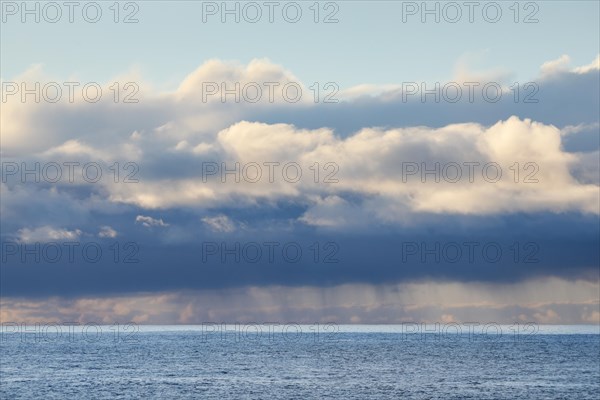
(559, 65)
(107, 232)
(371, 162)
(593, 66)
(168, 127)
(263, 81)
(46, 234)
(333, 211)
(219, 223)
(572, 129)
(562, 65)
(149, 222)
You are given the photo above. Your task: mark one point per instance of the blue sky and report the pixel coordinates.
(369, 44)
(381, 240)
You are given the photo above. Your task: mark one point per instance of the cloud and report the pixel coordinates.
(549, 316)
(353, 189)
(530, 171)
(107, 232)
(219, 223)
(261, 81)
(561, 65)
(334, 211)
(149, 222)
(464, 70)
(539, 301)
(47, 234)
(189, 255)
(591, 67)
(592, 317)
(119, 131)
(556, 66)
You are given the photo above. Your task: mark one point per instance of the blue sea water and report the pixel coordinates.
(301, 362)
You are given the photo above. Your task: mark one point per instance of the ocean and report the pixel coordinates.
(229, 361)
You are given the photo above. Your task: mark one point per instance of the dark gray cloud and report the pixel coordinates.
(447, 248)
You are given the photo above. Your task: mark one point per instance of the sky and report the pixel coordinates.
(378, 169)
